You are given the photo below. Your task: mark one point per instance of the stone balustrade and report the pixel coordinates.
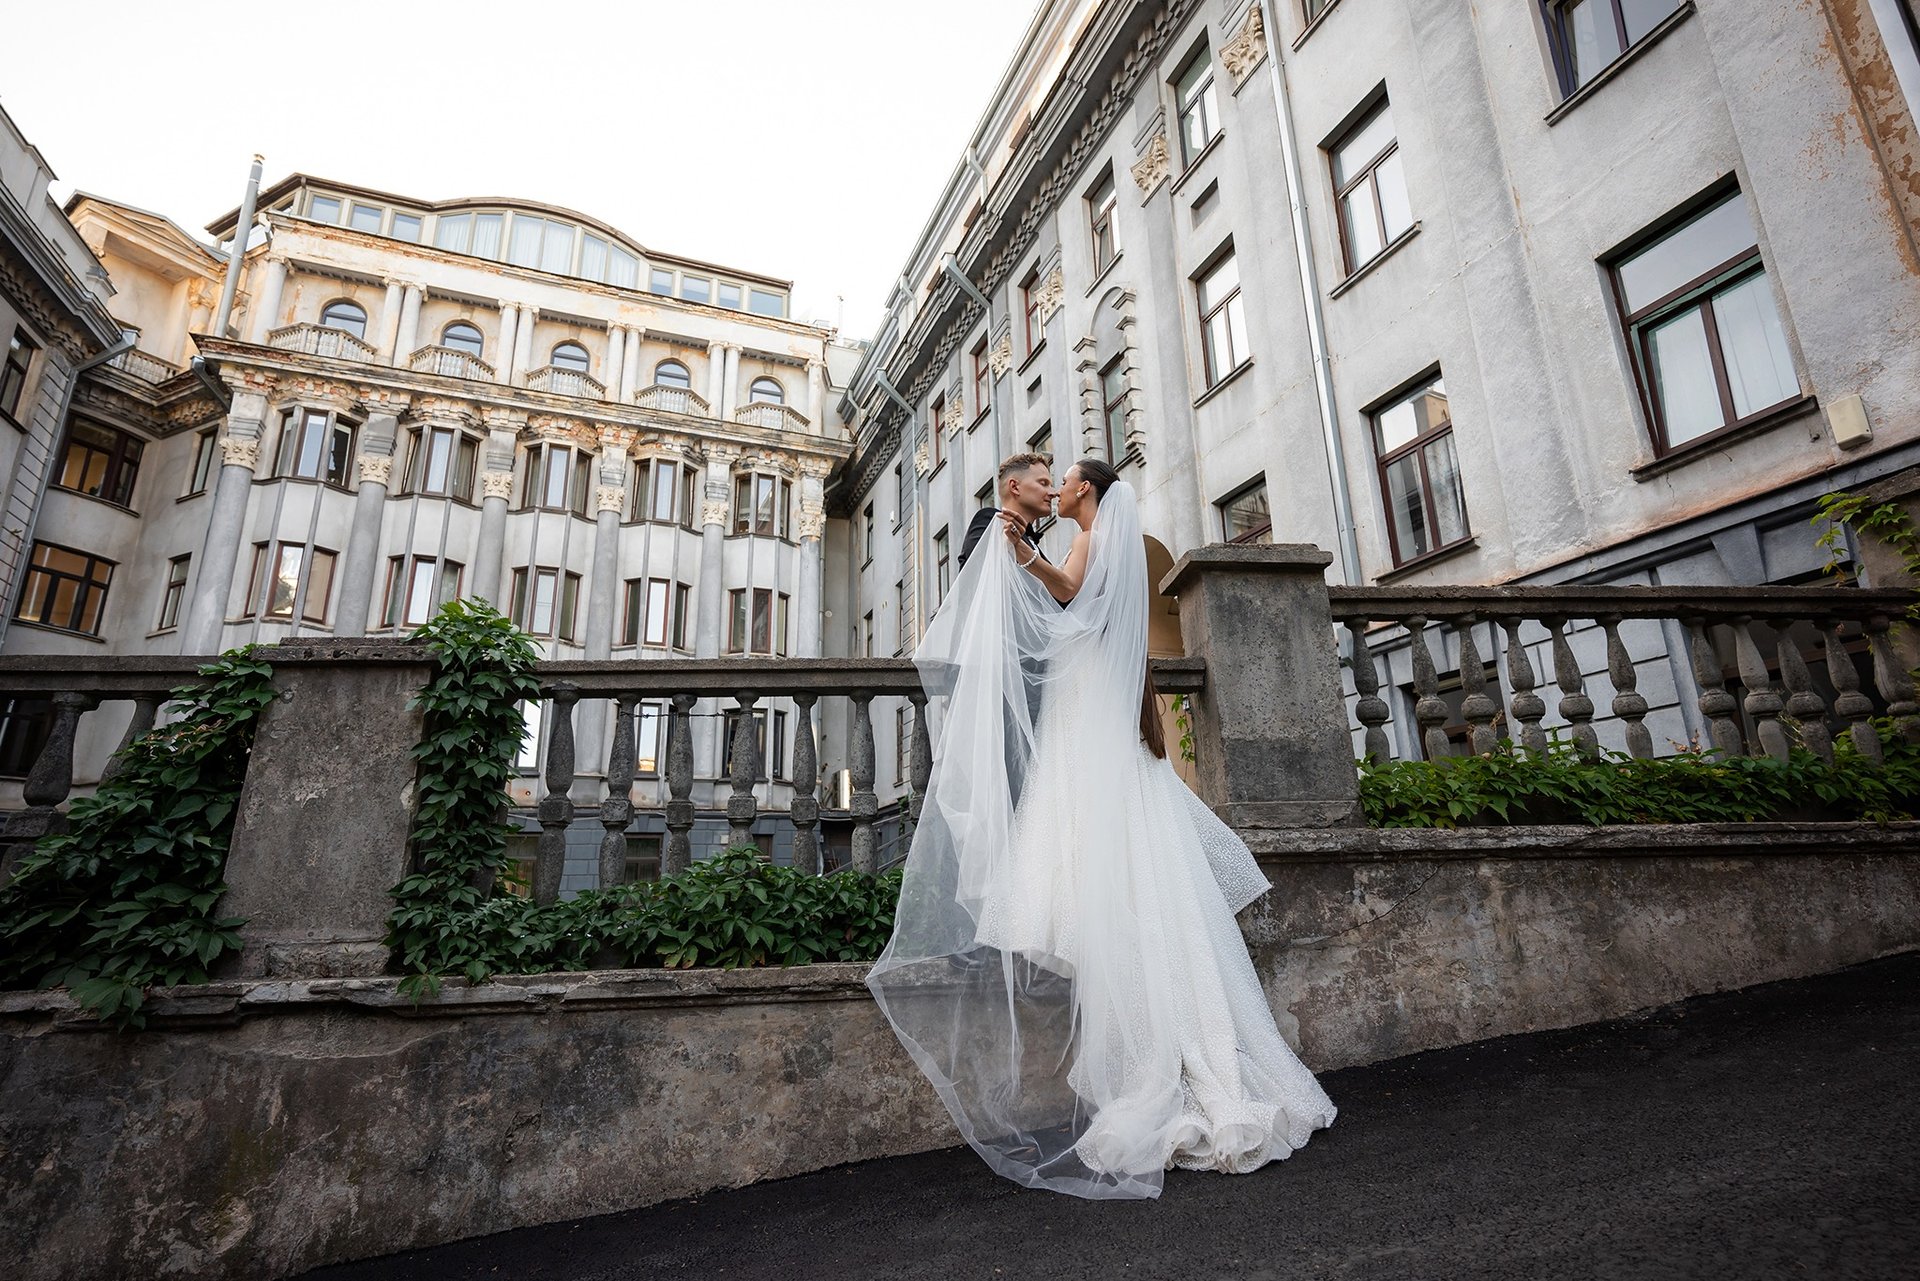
(673, 400)
(1810, 662)
(321, 340)
(566, 382)
(772, 417)
(450, 362)
(148, 369)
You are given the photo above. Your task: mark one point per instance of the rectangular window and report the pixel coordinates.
(1244, 517)
(324, 209)
(65, 589)
(101, 462)
(866, 635)
(593, 256)
(290, 576)
(486, 234)
(689, 490)
(657, 612)
(1587, 36)
(681, 595)
(1042, 441)
(205, 449)
(1709, 351)
(366, 218)
(1369, 188)
(176, 591)
(762, 302)
(729, 296)
(902, 744)
(416, 587)
(982, 380)
(942, 562)
(453, 231)
(1199, 112)
(557, 479)
(406, 227)
(1223, 323)
(1113, 409)
(779, 744)
(13, 375)
(1030, 309)
(1419, 473)
(936, 436)
(902, 629)
(696, 288)
(544, 601)
(25, 725)
(649, 719)
(760, 743)
(315, 445)
(623, 268)
(868, 535)
(1101, 203)
(660, 281)
(751, 621)
(443, 463)
(781, 612)
(901, 492)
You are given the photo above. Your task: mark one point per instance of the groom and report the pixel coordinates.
(1026, 492)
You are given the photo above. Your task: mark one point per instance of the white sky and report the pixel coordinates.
(806, 139)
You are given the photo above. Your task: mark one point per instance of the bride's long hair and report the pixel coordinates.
(1101, 475)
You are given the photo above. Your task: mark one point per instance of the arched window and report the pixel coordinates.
(350, 317)
(462, 337)
(766, 391)
(671, 373)
(571, 355)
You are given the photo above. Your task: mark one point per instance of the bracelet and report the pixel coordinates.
(1029, 560)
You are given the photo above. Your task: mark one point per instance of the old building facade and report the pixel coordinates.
(1518, 292)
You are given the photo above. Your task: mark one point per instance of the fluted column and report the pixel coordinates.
(730, 383)
(266, 308)
(378, 439)
(407, 340)
(509, 338)
(213, 575)
(390, 354)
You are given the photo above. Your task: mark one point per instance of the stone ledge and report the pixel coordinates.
(1649, 840)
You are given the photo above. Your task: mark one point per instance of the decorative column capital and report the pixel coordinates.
(1151, 169)
(610, 498)
(816, 468)
(1002, 355)
(496, 484)
(239, 451)
(375, 469)
(1052, 290)
(812, 523)
(714, 512)
(1247, 49)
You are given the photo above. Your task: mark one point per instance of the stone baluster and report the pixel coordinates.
(1895, 682)
(48, 783)
(556, 807)
(146, 710)
(1429, 709)
(1628, 703)
(1575, 707)
(805, 809)
(1478, 707)
(1762, 702)
(919, 766)
(1370, 708)
(1808, 709)
(617, 810)
(742, 809)
(865, 804)
(1528, 707)
(677, 855)
(1715, 703)
(1849, 704)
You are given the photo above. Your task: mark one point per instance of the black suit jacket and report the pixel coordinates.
(982, 520)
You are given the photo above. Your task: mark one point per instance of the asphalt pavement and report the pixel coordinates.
(1771, 1132)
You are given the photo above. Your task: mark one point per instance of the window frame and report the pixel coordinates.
(479, 349)
(1030, 311)
(88, 584)
(267, 556)
(536, 482)
(1204, 104)
(766, 390)
(1103, 205)
(120, 463)
(565, 605)
(1252, 535)
(1235, 318)
(403, 573)
(1364, 115)
(334, 464)
(15, 373)
(344, 304)
(982, 380)
(463, 462)
(173, 595)
(1418, 445)
(1117, 371)
(1554, 15)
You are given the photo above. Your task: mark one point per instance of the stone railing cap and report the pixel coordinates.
(1246, 558)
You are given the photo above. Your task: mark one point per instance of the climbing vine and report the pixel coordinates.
(1886, 521)
(127, 897)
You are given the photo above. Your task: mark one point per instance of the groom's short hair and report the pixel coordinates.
(1017, 463)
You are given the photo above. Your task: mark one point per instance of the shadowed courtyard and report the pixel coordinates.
(1773, 1132)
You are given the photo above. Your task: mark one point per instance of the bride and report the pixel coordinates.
(1065, 965)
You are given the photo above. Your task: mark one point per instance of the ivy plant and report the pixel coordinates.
(128, 896)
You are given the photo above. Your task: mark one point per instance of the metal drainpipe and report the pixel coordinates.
(241, 231)
(1316, 321)
(46, 476)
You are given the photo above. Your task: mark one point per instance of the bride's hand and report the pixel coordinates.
(1014, 527)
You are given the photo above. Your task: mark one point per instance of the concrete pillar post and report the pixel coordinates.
(616, 362)
(266, 310)
(730, 384)
(496, 486)
(812, 526)
(213, 576)
(716, 374)
(390, 354)
(379, 440)
(817, 396)
(406, 342)
(709, 591)
(1271, 725)
(523, 344)
(503, 349)
(630, 375)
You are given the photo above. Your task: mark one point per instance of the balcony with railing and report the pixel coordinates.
(566, 382)
(771, 417)
(673, 400)
(148, 369)
(321, 340)
(450, 362)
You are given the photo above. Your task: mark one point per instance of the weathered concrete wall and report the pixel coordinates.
(261, 1128)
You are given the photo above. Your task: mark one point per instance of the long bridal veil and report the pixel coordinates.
(1014, 1027)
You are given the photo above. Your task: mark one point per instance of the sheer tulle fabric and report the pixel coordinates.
(1065, 965)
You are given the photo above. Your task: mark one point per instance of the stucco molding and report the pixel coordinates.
(1247, 49)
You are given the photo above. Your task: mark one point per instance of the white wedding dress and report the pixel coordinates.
(1065, 965)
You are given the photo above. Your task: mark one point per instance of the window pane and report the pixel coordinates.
(1392, 186)
(313, 436)
(660, 281)
(544, 583)
(339, 455)
(554, 463)
(1406, 509)
(420, 593)
(366, 218)
(672, 373)
(737, 633)
(524, 249)
(451, 230)
(1717, 236)
(657, 611)
(762, 303)
(319, 587)
(625, 269)
(763, 504)
(646, 738)
(285, 583)
(1449, 499)
(1590, 37)
(486, 234)
(762, 620)
(1363, 228)
(1753, 347)
(1358, 149)
(663, 492)
(1222, 280)
(324, 209)
(1644, 15)
(1247, 514)
(593, 256)
(730, 296)
(696, 288)
(406, 227)
(556, 255)
(1683, 377)
(439, 460)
